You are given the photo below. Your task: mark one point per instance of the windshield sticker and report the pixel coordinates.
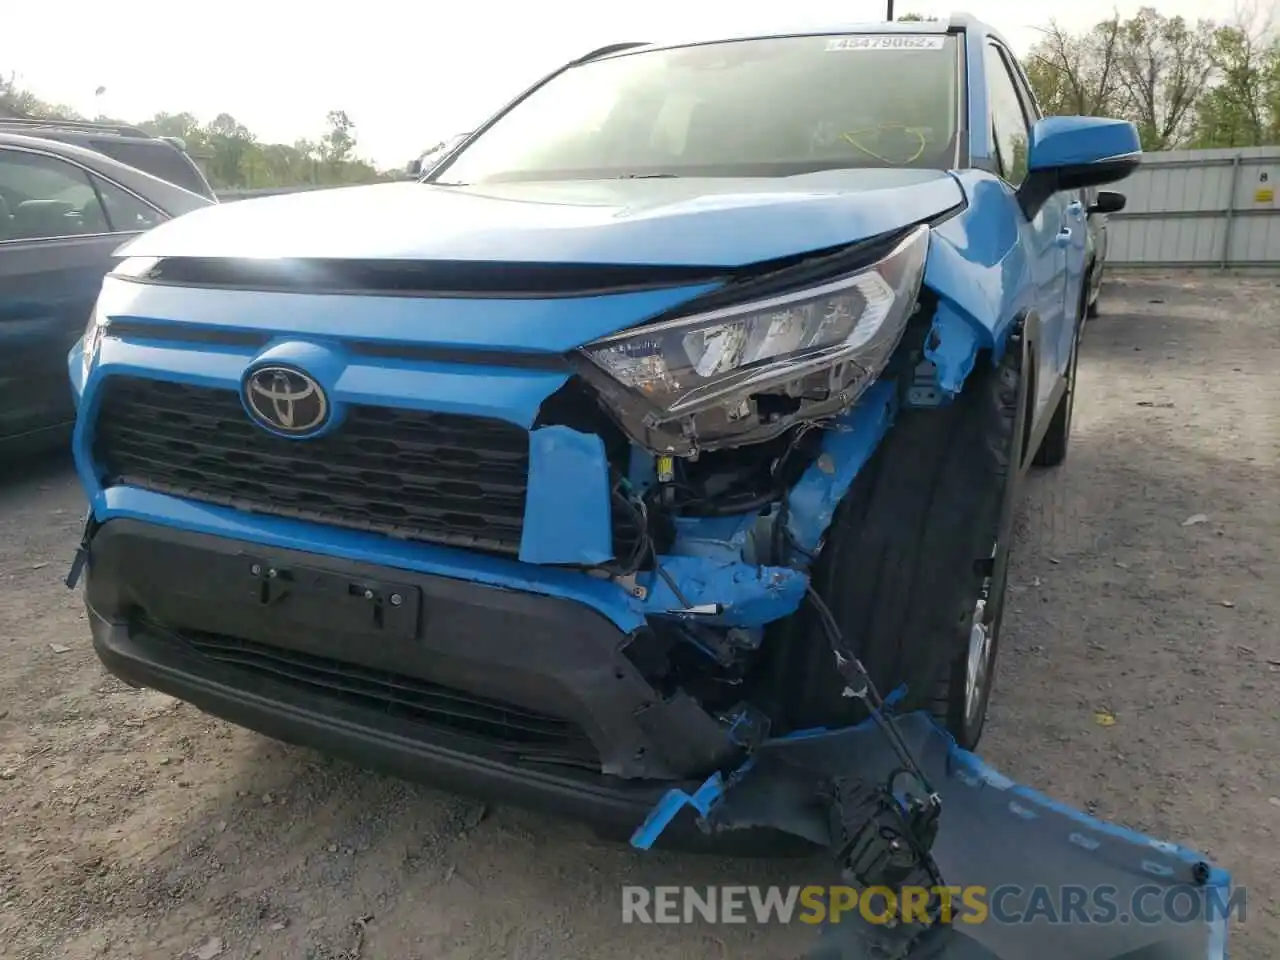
(886, 42)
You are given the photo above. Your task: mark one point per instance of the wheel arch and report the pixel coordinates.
(889, 579)
(965, 353)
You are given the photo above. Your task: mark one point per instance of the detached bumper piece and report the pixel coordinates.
(1056, 884)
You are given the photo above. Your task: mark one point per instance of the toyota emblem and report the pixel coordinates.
(285, 400)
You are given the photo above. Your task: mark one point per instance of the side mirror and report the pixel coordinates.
(1108, 201)
(1071, 153)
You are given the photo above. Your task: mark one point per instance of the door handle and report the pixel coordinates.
(1063, 239)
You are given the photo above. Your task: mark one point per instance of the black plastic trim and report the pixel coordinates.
(471, 644)
(452, 279)
(306, 721)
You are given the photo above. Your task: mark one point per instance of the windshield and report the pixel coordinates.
(772, 107)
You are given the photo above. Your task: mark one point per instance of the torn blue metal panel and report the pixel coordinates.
(1031, 858)
(669, 807)
(568, 514)
(640, 469)
(742, 595)
(977, 265)
(952, 346)
(715, 538)
(847, 447)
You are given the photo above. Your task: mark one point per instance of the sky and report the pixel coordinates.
(408, 74)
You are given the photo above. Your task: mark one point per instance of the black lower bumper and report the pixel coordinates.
(502, 694)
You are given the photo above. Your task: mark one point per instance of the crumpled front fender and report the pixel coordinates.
(980, 272)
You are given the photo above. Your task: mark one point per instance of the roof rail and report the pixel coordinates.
(611, 48)
(87, 126)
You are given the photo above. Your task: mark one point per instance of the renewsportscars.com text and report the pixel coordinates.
(967, 905)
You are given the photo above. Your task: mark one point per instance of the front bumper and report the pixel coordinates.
(308, 721)
(505, 694)
(425, 688)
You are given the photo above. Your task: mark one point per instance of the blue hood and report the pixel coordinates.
(697, 221)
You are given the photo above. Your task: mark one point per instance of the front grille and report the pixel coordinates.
(526, 733)
(440, 478)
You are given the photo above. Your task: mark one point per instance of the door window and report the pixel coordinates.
(43, 198)
(125, 212)
(1009, 126)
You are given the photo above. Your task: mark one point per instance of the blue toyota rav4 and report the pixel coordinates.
(624, 462)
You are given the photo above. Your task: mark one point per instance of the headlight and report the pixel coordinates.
(821, 343)
(92, 339)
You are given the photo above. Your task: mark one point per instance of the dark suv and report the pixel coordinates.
(163, 157)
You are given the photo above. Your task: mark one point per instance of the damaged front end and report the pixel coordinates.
(660, 497)
(746, 427)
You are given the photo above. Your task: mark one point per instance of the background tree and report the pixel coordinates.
(231, 145)
(15, 101)
(1207, 84)
(184, 126)
(1165, 66)
(228, 152)
(339, 142)
(1240, 108)
(1077, 74)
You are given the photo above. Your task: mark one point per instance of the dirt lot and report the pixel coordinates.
(137, 827)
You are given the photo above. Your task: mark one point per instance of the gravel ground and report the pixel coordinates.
(1143, 588)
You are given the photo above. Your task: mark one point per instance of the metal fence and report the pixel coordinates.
(1199, 208)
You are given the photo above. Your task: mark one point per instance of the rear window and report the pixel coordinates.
(158, 159)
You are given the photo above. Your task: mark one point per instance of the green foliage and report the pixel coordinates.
(17, 102)
(1185, 85)
(228, 152)
(232, 157)
(1243, 108)
(1076, 74)
(1165, 66)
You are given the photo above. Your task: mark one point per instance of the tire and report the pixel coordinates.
(1057, 439)
(909, 556)
(1092, 291)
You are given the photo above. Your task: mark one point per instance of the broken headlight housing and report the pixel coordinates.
(746, 372)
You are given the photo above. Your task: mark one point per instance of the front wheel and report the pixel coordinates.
(1093, 290)
(917, 559)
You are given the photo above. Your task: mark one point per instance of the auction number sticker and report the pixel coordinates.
(887, 41)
